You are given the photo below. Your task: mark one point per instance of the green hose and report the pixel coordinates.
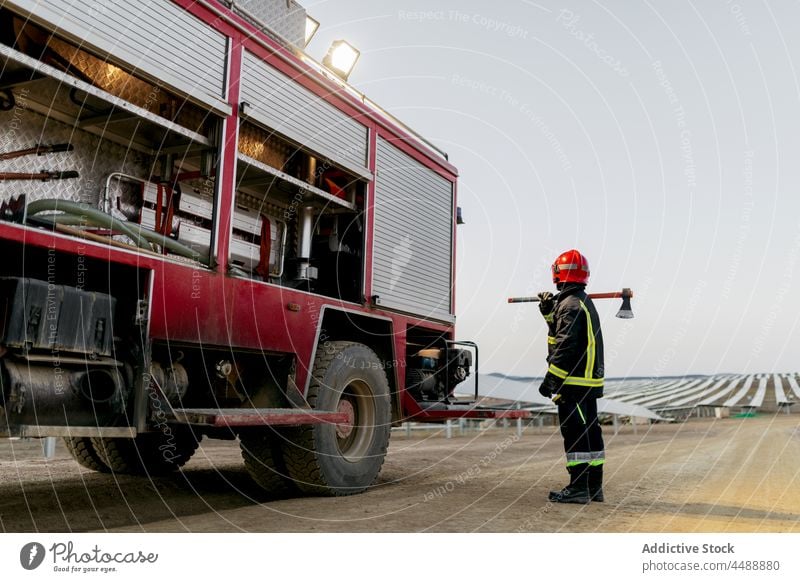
(150, 235)
(173, 245)
(65, 219)
(75, 213)
(92, 215)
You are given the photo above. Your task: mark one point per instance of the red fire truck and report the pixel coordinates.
(205, 233)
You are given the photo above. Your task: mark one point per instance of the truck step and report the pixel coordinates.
(231, 417)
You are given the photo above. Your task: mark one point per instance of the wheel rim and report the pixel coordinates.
(353, 438)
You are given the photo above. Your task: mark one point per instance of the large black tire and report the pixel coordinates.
(327, 459)
(263, 459)
(153, 453)
(83, 451)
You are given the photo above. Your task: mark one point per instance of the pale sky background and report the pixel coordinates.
(661, 138)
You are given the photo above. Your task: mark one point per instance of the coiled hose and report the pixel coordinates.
(77, 213)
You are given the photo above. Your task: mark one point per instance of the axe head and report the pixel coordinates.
(626, 312)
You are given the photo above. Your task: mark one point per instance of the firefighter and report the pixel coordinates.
(574, 378)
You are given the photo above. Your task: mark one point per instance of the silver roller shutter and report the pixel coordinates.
(282, 104)
(412, 256)
(156, 37)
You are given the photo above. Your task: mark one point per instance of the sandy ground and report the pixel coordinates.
(700, 476)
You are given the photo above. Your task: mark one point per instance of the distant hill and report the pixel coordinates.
(615, 378)
(517, 378)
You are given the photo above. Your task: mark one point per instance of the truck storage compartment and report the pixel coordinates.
(37, 315)
(160, 40)
(184, 211)
(77, 122)
(315, 201)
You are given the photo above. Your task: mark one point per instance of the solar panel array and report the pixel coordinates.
(746, 392)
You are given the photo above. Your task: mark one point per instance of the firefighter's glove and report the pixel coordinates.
(550, 386)
(547, 305)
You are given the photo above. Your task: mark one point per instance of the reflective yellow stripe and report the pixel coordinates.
(590, 343)
(551, 340)
(583, 418)
(591, 354)
(578, 381)
(582, 457)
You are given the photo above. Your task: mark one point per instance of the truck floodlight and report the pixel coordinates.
(341, 58)
(312, 26)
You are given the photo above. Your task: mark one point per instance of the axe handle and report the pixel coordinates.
(23, 176)
(624, 294)
(39, 150)
(523, 299)
(39, 175)
(611, 295)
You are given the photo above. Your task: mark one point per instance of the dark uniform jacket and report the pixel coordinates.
(575, 344)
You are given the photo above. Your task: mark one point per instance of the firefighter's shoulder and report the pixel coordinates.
(569, 304)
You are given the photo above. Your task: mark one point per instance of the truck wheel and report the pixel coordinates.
(342, 459)
(149, 453)
(83, 451)
(263, 459)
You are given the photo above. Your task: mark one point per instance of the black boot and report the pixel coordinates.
(596, 483)
(578, 489)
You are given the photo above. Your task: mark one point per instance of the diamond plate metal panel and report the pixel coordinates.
(94, 158)
(263, 146)
(288, 19)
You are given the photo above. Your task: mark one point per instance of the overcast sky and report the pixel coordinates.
(661, 138)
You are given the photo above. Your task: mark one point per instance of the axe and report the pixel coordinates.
(625, 311)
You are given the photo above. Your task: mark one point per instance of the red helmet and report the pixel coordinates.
(571, 267)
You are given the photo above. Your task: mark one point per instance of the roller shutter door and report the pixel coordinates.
(282, 104)
(155, 37)
(412, 236)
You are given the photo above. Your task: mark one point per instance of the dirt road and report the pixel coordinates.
(700, 476)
